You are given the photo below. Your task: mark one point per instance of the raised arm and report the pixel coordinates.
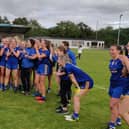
(2, 51)
(17, 53)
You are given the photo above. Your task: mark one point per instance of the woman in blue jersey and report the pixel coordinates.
(82, 81)
(3, 51)
(124, 104)
(12, 64)
(43, 69)
(26, 66)
(117, 82)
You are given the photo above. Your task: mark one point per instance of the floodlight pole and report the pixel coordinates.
(97, 23)
(119, 30)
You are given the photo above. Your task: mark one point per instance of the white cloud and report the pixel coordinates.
(49, 12)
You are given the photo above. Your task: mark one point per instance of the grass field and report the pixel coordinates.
(20, 112)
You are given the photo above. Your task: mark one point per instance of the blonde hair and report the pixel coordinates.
(65, 59)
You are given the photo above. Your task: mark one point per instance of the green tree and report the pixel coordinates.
(85, 31)
(108, 34)
(34, 24)
(4, 20)
(21, 21)
(65, 29)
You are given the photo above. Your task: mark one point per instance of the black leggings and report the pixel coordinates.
(25, 77)
(79, 56)
(65, 92)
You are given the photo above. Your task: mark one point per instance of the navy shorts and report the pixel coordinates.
(83, 84)
(12, 66)
(2, 63)
(115, 92)
(43, 69)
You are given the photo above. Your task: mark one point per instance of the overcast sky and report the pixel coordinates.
(49, 12)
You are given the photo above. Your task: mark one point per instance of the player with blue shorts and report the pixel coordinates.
(12, 64)
(43, 69)
(124, 103)
(3, 51)
(81, 80)
(117, 83)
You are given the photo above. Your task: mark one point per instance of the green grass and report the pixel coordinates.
(20, 112)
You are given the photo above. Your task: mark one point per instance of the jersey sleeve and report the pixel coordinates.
(68, 69)
(33, 52)
(47, 53)
(72, 57)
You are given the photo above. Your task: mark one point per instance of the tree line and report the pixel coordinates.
(69, 29)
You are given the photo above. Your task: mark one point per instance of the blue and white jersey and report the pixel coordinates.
(12, 59)
(25, 61)
(80, 76)
(116, 79)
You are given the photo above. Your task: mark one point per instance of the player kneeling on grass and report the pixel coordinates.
(83, 83)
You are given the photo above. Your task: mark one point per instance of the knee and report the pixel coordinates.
(76, 98)
(36, 82)
(2, 73)
(112, 106)
(7, 76)
(120, 113)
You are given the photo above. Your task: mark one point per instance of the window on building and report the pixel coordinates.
(88, 44)
(94, 44)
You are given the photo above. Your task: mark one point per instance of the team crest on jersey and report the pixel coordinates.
(114, 63)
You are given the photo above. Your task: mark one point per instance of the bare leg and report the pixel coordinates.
(42, 85)
(124, 109)
(37, 87)
(15, 77)
(77, 98)
(2, 73)
(114, 108)
(7, 76)
(50, 81)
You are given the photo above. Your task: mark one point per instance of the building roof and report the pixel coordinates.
(10, 28)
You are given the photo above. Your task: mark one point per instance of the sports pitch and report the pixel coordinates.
(23, 112)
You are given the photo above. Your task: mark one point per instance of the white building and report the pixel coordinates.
(75, 43)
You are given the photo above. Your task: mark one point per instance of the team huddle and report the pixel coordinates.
(28, 64)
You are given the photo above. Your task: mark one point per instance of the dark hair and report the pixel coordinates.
(32, 41)
(52, 45)
(62, 49)
(119, 48)
(48, 43)
(126, 51)
(66, 43)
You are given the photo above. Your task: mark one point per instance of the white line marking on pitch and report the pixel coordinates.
(101, 88)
